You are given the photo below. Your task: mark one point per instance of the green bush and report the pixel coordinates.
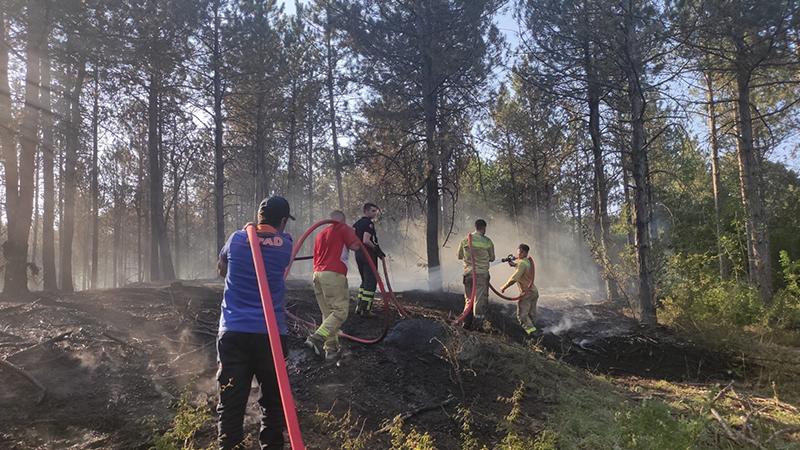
(652, 425)
(189, 419)
(785, 309)
(693, 292)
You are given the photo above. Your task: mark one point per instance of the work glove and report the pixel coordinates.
(379, 253)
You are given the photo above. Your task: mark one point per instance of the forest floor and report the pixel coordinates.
(134, 368)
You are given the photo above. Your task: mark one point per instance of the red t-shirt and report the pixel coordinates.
(331, 248)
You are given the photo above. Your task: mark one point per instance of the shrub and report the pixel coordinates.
(692, 291)
(189, 419)
(652, 425)
(785, 309)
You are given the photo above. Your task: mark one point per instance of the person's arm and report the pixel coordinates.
(350, 239)
(461, 251)
(514, 278)
(222, 267)
(222, 262)
(367, 240)
(491, 251)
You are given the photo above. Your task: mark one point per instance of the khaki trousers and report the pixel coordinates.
(481, 294)
(526, 308)
(330, 289)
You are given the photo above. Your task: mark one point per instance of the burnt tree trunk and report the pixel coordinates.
(19, 179)
(67, 228)
(430, 114)
(600, 194)
(95, 188)
(330, 63)
(639, 171)
(49, 276)
(219, 157)
(160, 259)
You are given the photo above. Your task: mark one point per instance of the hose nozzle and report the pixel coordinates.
(509, 258)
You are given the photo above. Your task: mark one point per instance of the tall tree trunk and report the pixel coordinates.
(67, 228)
(715, 183)
(330, 63)
(750, 179)
(291, 163)
(95, 188)
(19, 180)
(49, 276)
(310, 160)
(219, 157)
(261, 181)
(600, 194)
(176, 218)
(430, 112)
(35, 226)
(640, 170)
(160, 259)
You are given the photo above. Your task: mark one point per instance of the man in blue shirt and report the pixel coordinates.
(243, 348)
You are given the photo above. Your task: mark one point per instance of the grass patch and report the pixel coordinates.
(188, 420)
(593, 412)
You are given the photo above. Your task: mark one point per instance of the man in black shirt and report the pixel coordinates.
(365, 230)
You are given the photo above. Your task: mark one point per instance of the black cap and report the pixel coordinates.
(275, 207)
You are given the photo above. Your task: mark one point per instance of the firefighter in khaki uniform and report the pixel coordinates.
(482, 250)
(524, 276)
(331, 250)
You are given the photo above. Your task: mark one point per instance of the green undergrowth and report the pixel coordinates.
(189, 419)
(591, 412)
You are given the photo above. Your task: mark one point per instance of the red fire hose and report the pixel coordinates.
(471, 302)
(387, 294)
(289, 409)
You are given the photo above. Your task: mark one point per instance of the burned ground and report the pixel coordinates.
(114, 362)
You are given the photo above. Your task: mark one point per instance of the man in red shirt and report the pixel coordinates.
(331, 250)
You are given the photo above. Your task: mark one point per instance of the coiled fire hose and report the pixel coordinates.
(285, 389)
(387, 295)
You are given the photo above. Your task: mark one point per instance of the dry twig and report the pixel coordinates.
(52, 340)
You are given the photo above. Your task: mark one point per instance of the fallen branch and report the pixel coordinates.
(21, 305)
(721, 393)
(778, 433)
(116, 339)
(734, 435)
(409, 414)
(52, 340)
(24, 374)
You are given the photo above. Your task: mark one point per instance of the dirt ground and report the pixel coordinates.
(112, 363)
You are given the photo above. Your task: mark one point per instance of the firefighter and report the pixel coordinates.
(529, 294)
(242, 346)
(331, 251)
(481, 250)
(365, 230)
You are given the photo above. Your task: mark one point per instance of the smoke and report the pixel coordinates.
(561, 257)
(568, 322)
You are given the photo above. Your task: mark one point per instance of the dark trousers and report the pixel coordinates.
(368, 281)
(242, 356)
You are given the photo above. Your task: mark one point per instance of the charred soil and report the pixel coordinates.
(113, 364)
